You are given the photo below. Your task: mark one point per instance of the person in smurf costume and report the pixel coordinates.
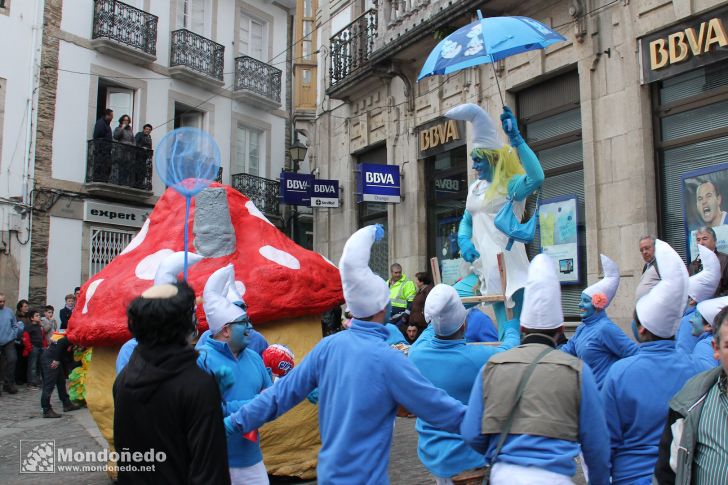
(504, 171)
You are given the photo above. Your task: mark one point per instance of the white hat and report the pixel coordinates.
(444, 310)
(661, 310)
(218, 309)
(365, 293)
(702, 286)
(173, 265)
(709, 309)
(484, 132)
(609, 284)
(542, 296)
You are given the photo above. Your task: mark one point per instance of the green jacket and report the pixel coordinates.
(402, 292)
(677, 446)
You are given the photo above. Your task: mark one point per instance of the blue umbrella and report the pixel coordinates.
(485, 41)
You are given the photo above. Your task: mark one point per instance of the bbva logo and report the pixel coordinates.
(296, 184)
(323, 188)
(379, 178)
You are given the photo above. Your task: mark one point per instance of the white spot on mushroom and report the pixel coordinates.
(90, 293)
(147, 267)
(240, 287)
(138, 239)
(254, 211)
(281, 257)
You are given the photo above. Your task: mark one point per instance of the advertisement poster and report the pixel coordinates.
(557, 220)
(703, 205)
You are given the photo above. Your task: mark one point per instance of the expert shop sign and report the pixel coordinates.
(120, 215)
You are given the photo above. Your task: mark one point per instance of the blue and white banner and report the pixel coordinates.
(295, 188)
(325, 193)
(379, 183)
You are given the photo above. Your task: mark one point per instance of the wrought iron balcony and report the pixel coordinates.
(118, 168)
(124, 31)
(196, 59)
(262, 191)
(257, 83)
(352, 46)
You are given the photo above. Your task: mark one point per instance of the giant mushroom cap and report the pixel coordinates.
(277, 277)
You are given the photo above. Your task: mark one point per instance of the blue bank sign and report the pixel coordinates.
(379, 183)
(325, 193)
(295, 188)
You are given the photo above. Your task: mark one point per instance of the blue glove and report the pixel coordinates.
(379, 232)
(313, 396)
(510, 126)
(230, 427)
(224, 377)
(468, 251)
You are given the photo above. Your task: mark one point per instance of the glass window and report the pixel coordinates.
(253, 36)
(308, 8)
(306, 76)
(194, 15)
(248, 150)
(307, 39)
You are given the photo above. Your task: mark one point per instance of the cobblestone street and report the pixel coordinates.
(21, 420)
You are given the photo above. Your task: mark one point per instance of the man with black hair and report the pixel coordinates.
(637, 389)
(693, 448)
(54, 376)
(163, 400)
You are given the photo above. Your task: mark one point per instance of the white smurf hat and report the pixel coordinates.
(173, 265)
(609, 284)
(218, 309)
(444, 310)
(709, 309)
(661, 310)
(365, 293)
(542, 297)
(702, 286)
(484, 131)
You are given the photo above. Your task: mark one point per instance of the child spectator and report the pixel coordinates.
(48, 323)
(33, 344)
(65, 312)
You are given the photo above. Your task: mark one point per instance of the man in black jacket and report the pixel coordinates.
(102, 129)
(51, 361)
(163, 401)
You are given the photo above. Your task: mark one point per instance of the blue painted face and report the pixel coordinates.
(696, 324)
(482, 166)
(240, 336)
(586, 308)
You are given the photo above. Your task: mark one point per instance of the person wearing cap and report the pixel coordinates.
(451, 365)
(361, 381)
(227, 348)
(503, 171)
(598, 341)
(701, 286)
(163, 400)
(703, 322)
(692, 448)
(637, 389)
(535, 437)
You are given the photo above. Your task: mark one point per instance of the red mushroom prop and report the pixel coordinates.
(285, 286)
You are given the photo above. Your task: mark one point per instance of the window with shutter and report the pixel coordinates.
(253, 37)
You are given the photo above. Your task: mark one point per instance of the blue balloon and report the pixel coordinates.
(187, 159)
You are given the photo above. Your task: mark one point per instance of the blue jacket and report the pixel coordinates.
(550, 454)
(600, 343)
(10, 327)
(480, 327)
(258, 343)
(685, 340)
(125, 354)
(361, 380)
(636, 393)
(395, 335)
(425, 337)
(703, 350)
(452, 366)
(251, 377)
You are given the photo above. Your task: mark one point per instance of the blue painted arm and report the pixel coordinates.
(593, 433)
(618, 343)
(521, 186)
(465, 235)
(512, 335)
(470, 429)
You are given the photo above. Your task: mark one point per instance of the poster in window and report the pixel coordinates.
(558, 224)
(704, 204)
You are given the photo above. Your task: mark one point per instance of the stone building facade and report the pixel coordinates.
(626, 138)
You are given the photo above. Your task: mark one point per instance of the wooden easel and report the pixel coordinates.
(437, 279)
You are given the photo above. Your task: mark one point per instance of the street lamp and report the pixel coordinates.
(297, 151)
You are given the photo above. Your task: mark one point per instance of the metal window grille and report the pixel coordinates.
(105, 246)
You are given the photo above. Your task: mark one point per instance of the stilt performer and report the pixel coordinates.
(503, 171)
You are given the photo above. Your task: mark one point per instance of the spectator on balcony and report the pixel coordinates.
(124, 133)
(102, 130)
(143, 138)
